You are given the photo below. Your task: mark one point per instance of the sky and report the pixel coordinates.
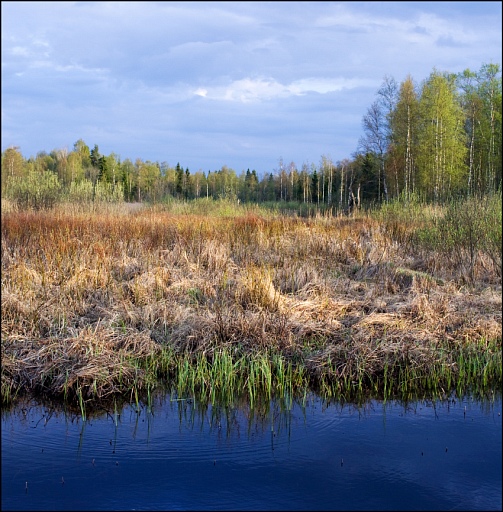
(208, 84)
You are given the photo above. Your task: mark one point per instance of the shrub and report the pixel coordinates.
(493, 238)
(80, 192)
(36, 190)
(108, 192)
(464, 231)
(85, 192)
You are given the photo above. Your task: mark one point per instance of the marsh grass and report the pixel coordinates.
(214, 298)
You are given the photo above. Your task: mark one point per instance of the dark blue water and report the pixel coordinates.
(180, 455)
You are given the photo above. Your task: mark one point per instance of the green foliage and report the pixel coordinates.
(36, 190)
(80, 192)
(315, 186)
(179, 180)
(493, 230)
(12, 165)
(86, 192)
(466, 230)
(409, 209)
(82, 149)
(438, 141)
(148, 178)
(442, 144)
(404, 121)
(95, 156)
(109, 192)
(205, 206)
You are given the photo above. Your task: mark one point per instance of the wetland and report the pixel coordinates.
(216, 356)
(209, 298)
(306, 454)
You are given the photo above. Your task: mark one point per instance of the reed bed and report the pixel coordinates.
(98, 303)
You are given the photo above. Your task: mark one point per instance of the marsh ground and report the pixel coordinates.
(105, 300)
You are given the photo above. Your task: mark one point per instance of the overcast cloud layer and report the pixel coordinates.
(208, 84)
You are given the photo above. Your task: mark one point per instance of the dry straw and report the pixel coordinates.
(103, 302)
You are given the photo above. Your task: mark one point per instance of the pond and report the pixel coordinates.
(178, 454)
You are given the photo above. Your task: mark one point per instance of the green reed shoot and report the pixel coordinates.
(81, 403)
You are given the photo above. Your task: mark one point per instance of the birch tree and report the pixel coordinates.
(12, 165)
(441, 138)
(403, 122)
(472, 107)
(490, 93)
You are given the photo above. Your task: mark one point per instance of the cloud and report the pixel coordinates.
(418, 27)
(32, 48)
(249, 90)
(19, 51)
(326, 85)
(158, 79)
(201, 92)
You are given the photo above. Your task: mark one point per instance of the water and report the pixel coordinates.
(181, 455)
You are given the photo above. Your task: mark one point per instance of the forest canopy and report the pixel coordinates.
(435, 140)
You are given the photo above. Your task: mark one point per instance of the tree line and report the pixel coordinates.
(435, 140)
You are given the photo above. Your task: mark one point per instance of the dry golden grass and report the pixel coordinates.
(87, 296)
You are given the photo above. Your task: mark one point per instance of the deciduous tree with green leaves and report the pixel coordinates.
(404, 121)
(441, 138)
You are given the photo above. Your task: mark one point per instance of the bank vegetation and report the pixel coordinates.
(213, 298)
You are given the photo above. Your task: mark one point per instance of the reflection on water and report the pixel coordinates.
(181, 454)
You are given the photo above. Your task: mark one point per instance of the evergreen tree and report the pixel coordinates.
(95, 157)
(129, 175)
(366, 177)
(104, 171)
(179, 180)
(187, 184)
(315, 184)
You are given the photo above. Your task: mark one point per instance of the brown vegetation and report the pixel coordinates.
(92, 301)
